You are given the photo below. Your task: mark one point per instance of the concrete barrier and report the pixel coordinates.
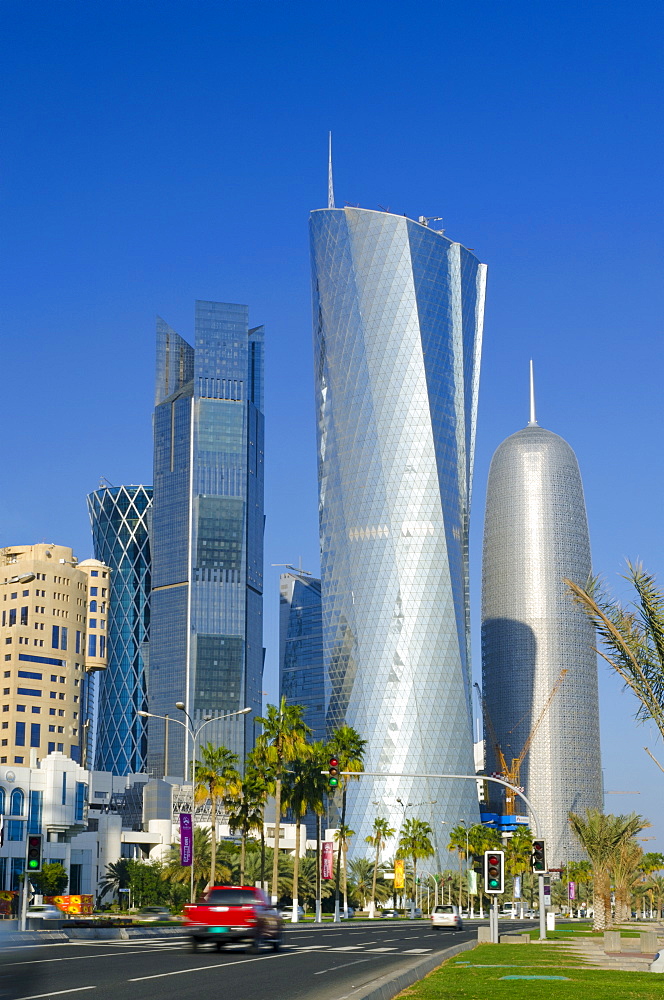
(612, 941)
(515, 938)
(649, 942)
(484, 935)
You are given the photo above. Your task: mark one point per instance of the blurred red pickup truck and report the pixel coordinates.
(234, 913)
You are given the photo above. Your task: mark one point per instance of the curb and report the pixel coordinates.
(393, 984)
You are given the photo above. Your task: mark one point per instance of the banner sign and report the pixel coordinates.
(327, 860)
(517, 887)
(571, 888)
(186, 839)
(399, 874)
(472, 882)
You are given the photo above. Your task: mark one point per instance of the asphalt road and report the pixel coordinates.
(328, 963)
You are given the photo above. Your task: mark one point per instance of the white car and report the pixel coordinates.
(44, 911)
(657, 964)
(446, 915)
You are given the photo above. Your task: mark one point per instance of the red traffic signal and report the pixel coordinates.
(539, 857)
(333, 775)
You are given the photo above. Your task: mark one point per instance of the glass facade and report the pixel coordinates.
(301, 675)
(119, 516)
(535, 534)
(206, 638)
(398, 317)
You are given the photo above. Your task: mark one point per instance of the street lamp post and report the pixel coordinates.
(465, 826)
(193, 733)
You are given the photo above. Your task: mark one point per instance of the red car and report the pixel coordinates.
(234, 913)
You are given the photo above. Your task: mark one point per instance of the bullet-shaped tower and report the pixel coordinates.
(535, 535)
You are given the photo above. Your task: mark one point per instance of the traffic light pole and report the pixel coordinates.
(495, 938)
(542, 910)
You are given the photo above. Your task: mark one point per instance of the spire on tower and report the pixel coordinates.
(330, 182)
(532, 422)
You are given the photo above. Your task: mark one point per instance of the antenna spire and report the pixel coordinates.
(532, 422)
(330, 181)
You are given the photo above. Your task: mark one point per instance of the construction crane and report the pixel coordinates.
(512, 773)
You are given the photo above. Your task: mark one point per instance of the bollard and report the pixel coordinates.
(612, 941)
(649, 942)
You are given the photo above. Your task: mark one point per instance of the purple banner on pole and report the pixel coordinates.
(327, 860)
(186, 839)
(572, 890)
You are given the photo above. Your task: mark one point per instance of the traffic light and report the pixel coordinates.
(539, 857)
(494, 871)
(333, 774)
(34, 852)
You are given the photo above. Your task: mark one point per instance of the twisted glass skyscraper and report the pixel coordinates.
(206, 635)
(398, 315)
(301, 675)
(120, 536)
(536, 534)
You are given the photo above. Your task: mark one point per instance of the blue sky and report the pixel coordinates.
(155, 153)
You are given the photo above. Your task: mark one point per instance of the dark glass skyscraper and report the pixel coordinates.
(301, 675)
(398, 313)
(535, 535)
(119, 518)
(206, 637)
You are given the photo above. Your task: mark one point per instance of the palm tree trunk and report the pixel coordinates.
(277, 826)
(338, 875)
(213, 841)
(296, 868)
(372, 914)
(263, 856)
(243, 846)
(414, 904)
(601, 901)
(345, 849)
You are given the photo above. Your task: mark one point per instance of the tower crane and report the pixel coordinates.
(512, 772)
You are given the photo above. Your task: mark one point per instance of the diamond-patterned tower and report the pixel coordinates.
(398, 316)
(120, 533)
(535, 535)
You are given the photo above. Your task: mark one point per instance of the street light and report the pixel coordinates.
(465, 826)
(25, 578)
(193, 733)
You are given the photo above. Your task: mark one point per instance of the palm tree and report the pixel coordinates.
(342, 836)
(245, 813)
(348, 747)
(602, 836)
(117, 876)
(415, 843)
(627, 872)
(382, 832)
(518, 854)
(363, 883)
(283, 740)
(217, 778)
(632, 637)
(458, 843)
(302, 791)
(174, 872)
(480, 839)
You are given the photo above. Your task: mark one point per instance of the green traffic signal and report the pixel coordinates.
(333, 774)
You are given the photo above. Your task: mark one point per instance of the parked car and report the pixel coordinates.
(44, 911)
(234, 913)
(287, 912)
(446, 915)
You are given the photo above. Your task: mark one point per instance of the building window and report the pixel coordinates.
(102, 645)
(60, 747)
(19, 739)
(51, 711)
(63, 637)
(92, 622)
(20, 708)
(35, 812)
(93, 606)
(24, 616)
(51, 729)
(79, 807)
(51, 748)
(35, 709)
(35, 734)
(55, 637)
(30, 675)
(78, 643)
(92, 645)
(12, 616)
(31, 692)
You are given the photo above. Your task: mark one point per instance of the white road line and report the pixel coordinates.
(57, 993)
(376, 951)
(218, 965)
(417, 951)
(344, 966)
(81, 958)
(349, 947)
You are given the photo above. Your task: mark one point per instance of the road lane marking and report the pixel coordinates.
(57, 993)
(218, 965)
(417, 951)
(80, 958)
(376, 951)
(344, 966)
(349, 947)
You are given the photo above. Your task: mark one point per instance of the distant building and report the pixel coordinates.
(536, 534)
(119, 519)
(301, 674)
(206, 616)
(398, 312)
(52, 647)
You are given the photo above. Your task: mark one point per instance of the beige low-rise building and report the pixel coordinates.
(53, 636)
